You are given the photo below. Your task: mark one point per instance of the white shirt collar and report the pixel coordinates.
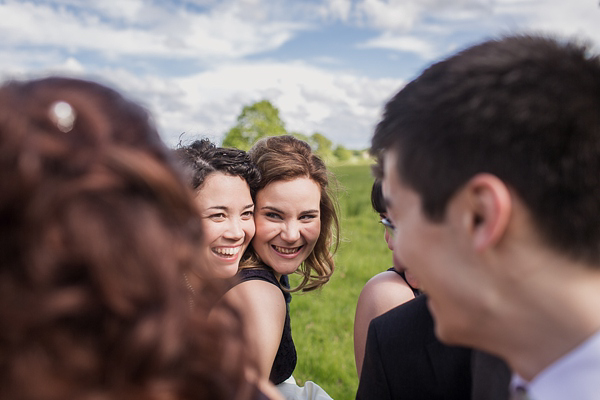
(576, 375)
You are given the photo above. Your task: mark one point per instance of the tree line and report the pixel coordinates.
(262, 119)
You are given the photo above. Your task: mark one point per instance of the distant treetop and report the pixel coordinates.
(262, 119)
(255, 122)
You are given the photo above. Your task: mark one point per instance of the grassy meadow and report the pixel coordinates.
(322, 321)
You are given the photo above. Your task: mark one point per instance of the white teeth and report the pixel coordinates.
(227, 251)
(287, 250)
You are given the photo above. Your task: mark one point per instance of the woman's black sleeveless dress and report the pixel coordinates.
(286, 358)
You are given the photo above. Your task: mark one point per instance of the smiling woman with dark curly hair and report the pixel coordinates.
(224, 181)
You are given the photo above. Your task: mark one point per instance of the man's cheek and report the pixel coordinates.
(397, 259)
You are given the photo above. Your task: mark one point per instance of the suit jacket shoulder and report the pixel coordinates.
(404, 359)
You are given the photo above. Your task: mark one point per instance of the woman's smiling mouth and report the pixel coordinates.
(227, 252)
(286, 250)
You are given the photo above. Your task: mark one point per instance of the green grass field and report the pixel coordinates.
(322, 321)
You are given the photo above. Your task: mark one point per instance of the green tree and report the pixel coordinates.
(322, 146)
(342, 153)
(256, 121)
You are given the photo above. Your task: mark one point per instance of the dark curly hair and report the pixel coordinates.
(97, 228)
(377, 199)
(201, 158)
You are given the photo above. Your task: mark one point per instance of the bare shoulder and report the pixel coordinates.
(257, 297)
(385, 291)
(380, 294)
(263, 311)
(389, 280)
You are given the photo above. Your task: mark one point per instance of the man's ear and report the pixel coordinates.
(490, 206)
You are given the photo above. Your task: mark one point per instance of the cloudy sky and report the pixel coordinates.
(328, 65)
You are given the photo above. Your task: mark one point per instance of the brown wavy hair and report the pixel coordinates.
(97, 228)
(284, 158)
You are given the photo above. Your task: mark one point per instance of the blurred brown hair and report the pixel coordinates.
(284, 158)
(96, 229)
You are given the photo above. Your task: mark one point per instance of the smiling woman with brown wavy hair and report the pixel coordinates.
(296, 232)
(96, 230)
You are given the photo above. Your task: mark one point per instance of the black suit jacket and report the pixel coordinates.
(491, 377)
(405, 360)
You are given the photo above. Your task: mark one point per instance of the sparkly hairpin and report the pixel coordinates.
(63, 115)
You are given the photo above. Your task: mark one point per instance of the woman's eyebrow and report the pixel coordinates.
(224, 208)
(272, 209)
(309, 212)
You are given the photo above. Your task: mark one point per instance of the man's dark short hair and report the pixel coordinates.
(524, 108)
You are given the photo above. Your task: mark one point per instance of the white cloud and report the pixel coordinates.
(339, 8)
(428, 28)
(406, 43)
(99, 38)
(401, 16)
(340, 105)
(421, 27)
(343, 106)
(389, 15)
(575, 18)
(228, 31)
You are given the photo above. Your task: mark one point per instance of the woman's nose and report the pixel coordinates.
(234, 230)
(291, 232)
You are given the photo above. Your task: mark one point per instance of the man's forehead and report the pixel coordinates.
(390, 166)
(390, 174)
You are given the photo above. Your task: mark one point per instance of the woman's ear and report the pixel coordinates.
(489, 204)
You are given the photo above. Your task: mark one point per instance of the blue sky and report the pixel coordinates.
(328, 65)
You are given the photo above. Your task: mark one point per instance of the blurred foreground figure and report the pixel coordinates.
(492, 181)
(97, 229)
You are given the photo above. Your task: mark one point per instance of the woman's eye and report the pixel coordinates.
(308, 217)
(273, 215)
(247, 214)
(217, 216)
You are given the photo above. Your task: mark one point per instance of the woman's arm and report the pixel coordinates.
(263, 310)
(380, 294)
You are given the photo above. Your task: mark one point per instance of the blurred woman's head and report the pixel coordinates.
(97, 229)
(296, 217)
(378, 203)
(224, 181)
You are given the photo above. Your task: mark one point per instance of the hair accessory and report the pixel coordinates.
(63, 115)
